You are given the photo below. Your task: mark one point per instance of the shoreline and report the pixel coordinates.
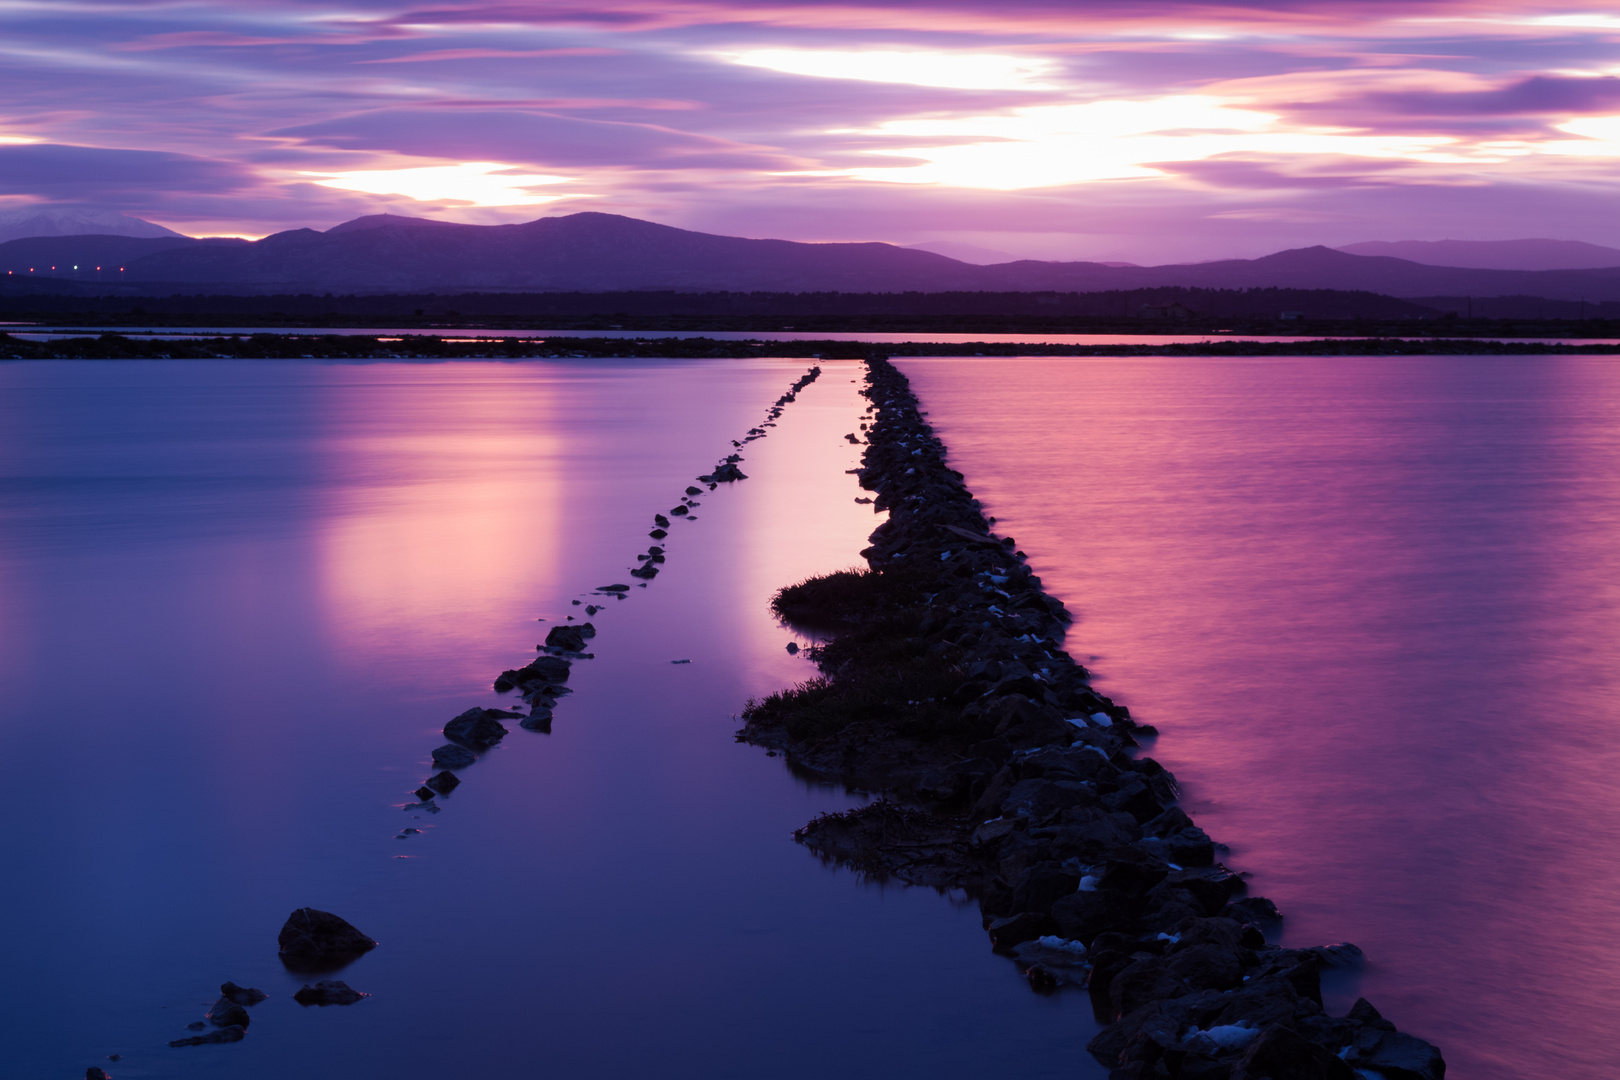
(1003, 773)
(494, 347)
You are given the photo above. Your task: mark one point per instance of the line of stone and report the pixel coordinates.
(317, 942)
(1004, 773)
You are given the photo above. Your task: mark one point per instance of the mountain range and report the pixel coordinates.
(595, 252)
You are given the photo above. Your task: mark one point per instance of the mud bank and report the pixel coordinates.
(944, 687)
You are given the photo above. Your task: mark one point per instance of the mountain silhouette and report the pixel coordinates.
(594, 252)
(1495, 254)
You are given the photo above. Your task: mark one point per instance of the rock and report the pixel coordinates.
(1145, 981)
(690, 490)
(793, 648)
(1016, 929)
(542, 669)
(539, 719)
(242, 995)
(1279, 1053)
(678, 511)
(569, 638)
(423, 794)
(1207, 967)
(196, 1025)
(1082, 916)
(476, 729)
(1134, 873)
(1053, 953)
(96, 1072)
(226, 1013)
(328, 993)
(451, 756)
(1396, 1055)
(318, 936)
(223, 1035)
(1044, 886)
(443, 782)
(1256, 910)
(658, 534)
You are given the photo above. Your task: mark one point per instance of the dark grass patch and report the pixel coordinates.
(851, 597)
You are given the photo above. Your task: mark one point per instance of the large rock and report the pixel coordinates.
(317, 937)
(567, 638)
(477, 729)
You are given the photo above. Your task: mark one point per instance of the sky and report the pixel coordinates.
(1142, 131)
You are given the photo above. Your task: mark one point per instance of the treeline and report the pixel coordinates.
(430, 347)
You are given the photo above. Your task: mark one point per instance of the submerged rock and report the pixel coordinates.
(223, 1035)
(451, 756)
(333, 992)
(242, 995)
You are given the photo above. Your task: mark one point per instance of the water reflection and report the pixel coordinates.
(1369, 603)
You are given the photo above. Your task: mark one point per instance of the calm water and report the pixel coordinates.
(237, 603)
(1374, 607)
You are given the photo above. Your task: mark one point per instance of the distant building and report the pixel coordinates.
(1291, 316)
(1175, 312)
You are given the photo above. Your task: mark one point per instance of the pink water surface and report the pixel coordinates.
(1374, 606)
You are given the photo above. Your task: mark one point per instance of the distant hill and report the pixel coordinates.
(1494, 254)
(592, 252)
(70, 221)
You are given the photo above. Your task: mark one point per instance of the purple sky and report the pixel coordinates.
(1144, 131)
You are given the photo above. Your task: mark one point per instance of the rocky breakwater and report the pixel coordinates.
(1002, 772)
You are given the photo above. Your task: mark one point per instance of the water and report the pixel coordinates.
(237, 603)
(1373, 606)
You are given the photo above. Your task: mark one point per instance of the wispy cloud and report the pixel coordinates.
(1040, 125)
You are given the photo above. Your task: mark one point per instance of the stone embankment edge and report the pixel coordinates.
(1085, 869)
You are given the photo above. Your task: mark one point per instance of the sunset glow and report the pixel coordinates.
(1112, 130)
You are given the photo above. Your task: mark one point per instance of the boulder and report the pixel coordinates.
(318, 936)
(451, 756)
(476, 729)
(443, 782)
(567, 638)
(542, 669)
(328, 993)
(539, 719)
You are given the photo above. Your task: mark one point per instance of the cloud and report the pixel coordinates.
(474, 183)
(85, 173)
(531, 137)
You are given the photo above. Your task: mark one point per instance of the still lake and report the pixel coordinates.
(1364, 600)
(1373, 606)
(237, 603)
